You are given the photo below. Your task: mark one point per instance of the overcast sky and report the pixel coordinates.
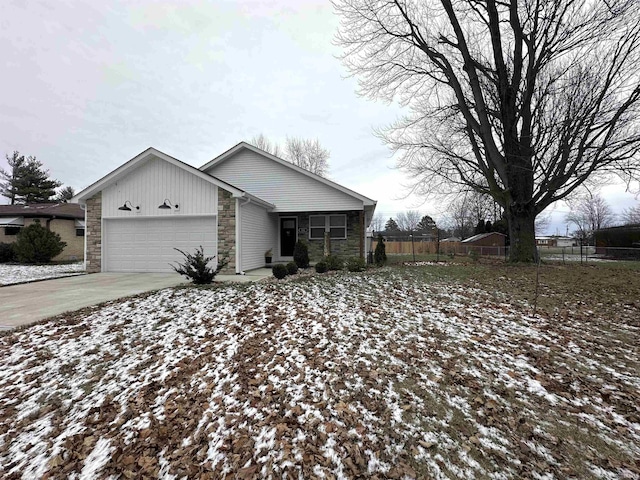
(86, 86)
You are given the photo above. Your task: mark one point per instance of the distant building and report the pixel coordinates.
(555, 241)
(492, 243)
(65, 219)
(491, 239)
(619, 242)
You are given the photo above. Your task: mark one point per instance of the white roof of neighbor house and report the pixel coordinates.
(149, 153)
(243, 145)
(480, 236)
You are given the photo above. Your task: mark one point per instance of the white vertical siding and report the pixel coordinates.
(258, 234)
(288, 190)
(152, 182)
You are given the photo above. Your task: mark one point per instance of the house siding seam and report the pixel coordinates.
(94, 234)
(227, 229)
(349, 247)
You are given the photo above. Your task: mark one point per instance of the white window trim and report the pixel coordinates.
(327, 226)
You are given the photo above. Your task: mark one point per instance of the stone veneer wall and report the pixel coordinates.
(93, 233)
(349, 247)
(227, 229)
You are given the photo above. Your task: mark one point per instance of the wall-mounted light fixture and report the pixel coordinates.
(129, 207)
(166, 205)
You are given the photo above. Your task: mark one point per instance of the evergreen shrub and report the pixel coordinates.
(36, 244)
(356, 264)
(321, 266)
(301, 254)
(279, 271)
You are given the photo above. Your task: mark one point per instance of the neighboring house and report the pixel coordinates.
(620, 242)
(491, 239)
(555, 241)
(546, 242)
(450, 240)
(65, 219)
(243, 203)
(492, 243)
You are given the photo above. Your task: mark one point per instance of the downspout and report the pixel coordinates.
(239, 234)
(83, 207)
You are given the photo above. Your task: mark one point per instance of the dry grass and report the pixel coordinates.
(403, 372)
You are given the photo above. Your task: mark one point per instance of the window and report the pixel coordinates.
(336, 225)
(79, 232)
(316, 227)
(11, 230)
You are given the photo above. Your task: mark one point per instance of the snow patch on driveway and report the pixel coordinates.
(11, 274)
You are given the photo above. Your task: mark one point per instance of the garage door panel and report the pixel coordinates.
(148, 245)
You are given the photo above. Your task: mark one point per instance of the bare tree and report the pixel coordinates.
(305, 153)
(263, 143)
(408, 221)
(589, 213)
(631, 215)
(543, 220)
(308, 154)
(459, 218)
(521, 100)
(377, 222)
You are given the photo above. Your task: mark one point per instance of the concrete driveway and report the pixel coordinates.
(31, 302)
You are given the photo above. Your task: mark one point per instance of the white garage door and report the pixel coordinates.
(147, 244)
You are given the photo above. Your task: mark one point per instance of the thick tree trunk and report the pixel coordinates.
(522, 234)
(520, 208)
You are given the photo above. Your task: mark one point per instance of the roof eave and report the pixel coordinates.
(122, 170)
(233, 150)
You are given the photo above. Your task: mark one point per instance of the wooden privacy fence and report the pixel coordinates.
(405, 248)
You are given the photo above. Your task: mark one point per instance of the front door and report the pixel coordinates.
(288, 236)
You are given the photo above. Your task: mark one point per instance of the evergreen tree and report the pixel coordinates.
(36, 244)
(488, 227)
(380, 254)
(8, 179)
(426, 224)
(27, 182)
(65, 194)
(391, 226)
(479, 228)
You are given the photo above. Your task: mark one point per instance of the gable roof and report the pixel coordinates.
(43, 210)
(152, 152)
(480, 236)
(244, 145)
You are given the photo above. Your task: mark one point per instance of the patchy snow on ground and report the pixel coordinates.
(10, 273)
(376, 375)
(558, 257)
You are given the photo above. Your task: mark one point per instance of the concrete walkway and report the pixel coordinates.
(31, 302)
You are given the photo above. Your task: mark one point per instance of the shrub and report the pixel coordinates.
(301, 254)
(356, 264)
(7, 253)
(292, 268)
(380, 255)
(196, 267)
(474, 255)
(279, 271)
(321, 266)
(334, 262)
(36, 244)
